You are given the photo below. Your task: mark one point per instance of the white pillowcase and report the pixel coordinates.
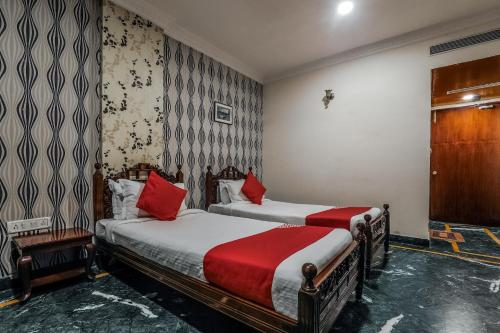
(223, 195)
(116, 199)
(183, 205)
(131, 192)
(233, 188)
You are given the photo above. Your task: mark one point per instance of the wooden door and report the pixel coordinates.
(465, 166)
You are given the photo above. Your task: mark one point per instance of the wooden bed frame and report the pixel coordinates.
(320, 300)
(377, 233)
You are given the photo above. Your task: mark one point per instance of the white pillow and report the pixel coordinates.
(183, 205)
(116, 199)
(233, 188)
(223, 195)
(131, 192)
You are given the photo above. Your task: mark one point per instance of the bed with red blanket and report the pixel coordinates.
(376, 220)
(274, 277)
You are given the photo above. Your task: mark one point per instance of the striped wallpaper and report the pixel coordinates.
(49, 113)
(193, 82)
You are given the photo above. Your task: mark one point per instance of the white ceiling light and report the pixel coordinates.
(345, 7)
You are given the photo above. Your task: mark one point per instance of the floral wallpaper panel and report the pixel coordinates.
(132, 79)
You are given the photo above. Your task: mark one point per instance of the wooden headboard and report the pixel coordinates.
(102, 194)
(212, 182)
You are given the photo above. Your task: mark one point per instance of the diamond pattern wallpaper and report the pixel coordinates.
(49, 79)
(191, 83)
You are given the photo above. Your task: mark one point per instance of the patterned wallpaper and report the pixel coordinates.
(157, 105)
(132, 108)
(49, 114)
(191, 84)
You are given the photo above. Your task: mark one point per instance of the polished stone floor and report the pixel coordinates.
(477, 240)
(415, 292)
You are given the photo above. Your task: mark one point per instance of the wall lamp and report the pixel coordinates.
(329, 95)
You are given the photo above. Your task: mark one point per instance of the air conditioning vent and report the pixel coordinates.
(466, 41)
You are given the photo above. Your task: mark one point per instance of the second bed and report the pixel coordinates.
(377, 221)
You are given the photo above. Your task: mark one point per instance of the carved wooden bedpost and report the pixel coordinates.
(208, 187)
(369, 237)
(250, 169)
(361, 238)
(309, 271)
(98, 184)
(309, 303)
(387, 215)
(179, 176)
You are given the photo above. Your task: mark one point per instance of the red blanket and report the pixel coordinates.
(335, 217)
(246, 266)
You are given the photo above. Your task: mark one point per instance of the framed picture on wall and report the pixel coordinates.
(223, 113)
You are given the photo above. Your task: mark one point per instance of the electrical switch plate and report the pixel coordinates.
(28, 225)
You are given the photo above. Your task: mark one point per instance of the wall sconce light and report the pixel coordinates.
(329, 95)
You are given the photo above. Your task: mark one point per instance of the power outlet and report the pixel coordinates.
(28, 225)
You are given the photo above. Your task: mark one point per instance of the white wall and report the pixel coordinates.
(372, 144)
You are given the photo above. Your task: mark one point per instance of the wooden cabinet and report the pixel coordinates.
(451, 83)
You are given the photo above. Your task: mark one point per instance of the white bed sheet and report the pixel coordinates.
(284, 212)
(182, 244)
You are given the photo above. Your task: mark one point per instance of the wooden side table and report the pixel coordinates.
(50, 242)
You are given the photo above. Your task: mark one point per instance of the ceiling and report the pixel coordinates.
(275, 37)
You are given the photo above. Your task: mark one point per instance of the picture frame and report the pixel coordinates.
(223, 113)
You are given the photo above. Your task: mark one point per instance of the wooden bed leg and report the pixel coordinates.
(98, 185)
(179, 176)
(369, 245)
(24, 271)
(361, 238)
(387, 215)
(309, 301)
(91, 248)
(208, 187)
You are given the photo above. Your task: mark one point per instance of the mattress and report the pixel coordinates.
(284, 212)
(182, 244)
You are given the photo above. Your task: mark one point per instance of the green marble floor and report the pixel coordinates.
(415, 292)
(479, 242)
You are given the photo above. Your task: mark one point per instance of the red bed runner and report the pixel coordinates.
(246, 266)
(335, 217)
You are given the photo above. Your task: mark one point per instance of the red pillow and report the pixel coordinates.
(253, 189)
(160, 198)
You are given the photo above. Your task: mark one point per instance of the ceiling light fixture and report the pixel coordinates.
(345, 7)
(471, 97)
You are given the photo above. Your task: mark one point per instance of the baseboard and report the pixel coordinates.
(409, 240)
